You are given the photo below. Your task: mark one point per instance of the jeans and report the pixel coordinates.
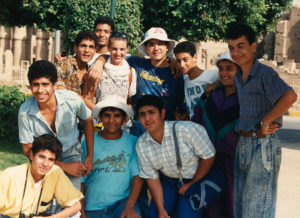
(257, 163)
(174, 202)
(113, 211)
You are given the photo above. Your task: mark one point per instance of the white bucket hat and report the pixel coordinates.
(156, 33)
(112, 101)
(224, 56)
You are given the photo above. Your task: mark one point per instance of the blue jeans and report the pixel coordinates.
(174, 202)
(256, 168)
(113, 211)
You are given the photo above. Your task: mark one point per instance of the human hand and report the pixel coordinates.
(268, 129)
(174, 68)
(129, 213)
(163, 214)
(74, 168)
(210, 88)
(184, 188)
(88, 165)
(58, 57)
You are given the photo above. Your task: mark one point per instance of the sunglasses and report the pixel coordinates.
(120, 34)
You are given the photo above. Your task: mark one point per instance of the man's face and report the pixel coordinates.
(112, 121)
(186, 62)
(103, 32)
(151, 119)
(41, 163)
(85, 50)
(156, 49)
(227, 71)
(241, 51)
(42, 89)
(118, 50)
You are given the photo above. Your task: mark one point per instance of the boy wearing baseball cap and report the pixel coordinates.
(107, 188)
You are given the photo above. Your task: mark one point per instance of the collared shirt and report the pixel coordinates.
(193, 143)
(69, 107)
(257, 95)
(55, 185)
(67, 75)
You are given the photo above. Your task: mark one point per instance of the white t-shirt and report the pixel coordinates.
(193, 89)
(115, 80)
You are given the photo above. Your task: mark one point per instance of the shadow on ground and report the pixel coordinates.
(289, 138)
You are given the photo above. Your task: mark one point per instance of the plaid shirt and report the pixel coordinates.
(193, 143)
(257, 95)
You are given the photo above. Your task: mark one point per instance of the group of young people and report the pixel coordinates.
(200, 154)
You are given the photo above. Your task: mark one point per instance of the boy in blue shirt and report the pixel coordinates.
(107, 188)
(264, 97)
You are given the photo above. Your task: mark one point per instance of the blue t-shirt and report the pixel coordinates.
(160, 82)
(115, 164)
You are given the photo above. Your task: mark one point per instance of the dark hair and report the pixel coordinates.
(149, 100)
(236, 30)
(112, 109)
(186, 47)
(86, 34)
(104, 20)
(118, 36)
(47, 142)
(40, 69)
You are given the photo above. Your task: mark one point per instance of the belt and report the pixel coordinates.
(252, 133)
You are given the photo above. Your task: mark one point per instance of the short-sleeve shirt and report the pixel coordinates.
(55, 185)
(67, 75)
(193, 142)
(158, 81)
(115, 164)
(193, 89)
(257, 95)
(69, 108)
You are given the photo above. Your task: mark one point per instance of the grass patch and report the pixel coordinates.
(11, 153)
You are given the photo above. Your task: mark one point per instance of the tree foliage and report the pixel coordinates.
(72, 16)
(206, 19)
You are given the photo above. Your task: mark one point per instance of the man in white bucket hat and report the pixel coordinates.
(107, 188)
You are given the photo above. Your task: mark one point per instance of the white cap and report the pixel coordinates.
(156, 33)
(224, 56)
(112, 101)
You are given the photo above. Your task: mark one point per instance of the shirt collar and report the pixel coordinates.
(252, 73)
(167, 132)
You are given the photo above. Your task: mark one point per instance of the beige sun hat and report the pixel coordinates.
(156, 33)
(224, 56)
(112, 101)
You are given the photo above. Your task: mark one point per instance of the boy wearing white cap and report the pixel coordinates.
(107, 188)
(154, 74)
(195, 79)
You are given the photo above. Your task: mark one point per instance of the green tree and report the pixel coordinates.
(206, 19)
(72, 16)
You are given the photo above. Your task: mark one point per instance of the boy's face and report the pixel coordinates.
(186, 62)
(118, 50)
(103, 32)
(151, 119)
(85, 50)
(227, 71)
(241, 51)
(112, 121)
(156, 49)
(41, 163)
(42, 89)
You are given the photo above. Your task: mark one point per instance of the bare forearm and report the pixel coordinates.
(26, 149)
(282, 105)
(68, 211)
(89, 135)
(136, 187)
(156, 191)
(203, 168)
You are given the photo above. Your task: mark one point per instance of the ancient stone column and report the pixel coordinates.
(8, 65)
(19, 44)
(41, 45)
